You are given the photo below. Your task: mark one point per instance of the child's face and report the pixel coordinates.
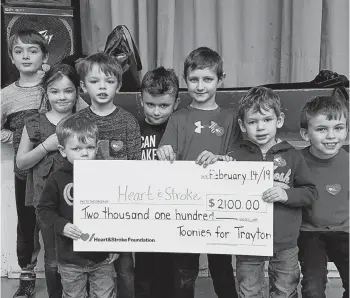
(261, 128)
(326, 136)
(202, 85)
(158, 109)
(101, 87)
(76, 150)
(28, 58)
(62, 95)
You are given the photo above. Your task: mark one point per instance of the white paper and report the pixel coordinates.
(180, 207)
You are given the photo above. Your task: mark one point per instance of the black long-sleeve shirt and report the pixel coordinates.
(56, 209)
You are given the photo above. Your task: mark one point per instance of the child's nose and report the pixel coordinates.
(102, 85)
(260, 125)
(156, 111)
(63, 96)
(200, 85)
(25, 55)
(84, 152)
(330, 134)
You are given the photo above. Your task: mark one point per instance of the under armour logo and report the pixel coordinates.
(199, 127)
(46, 36)
(214, 128)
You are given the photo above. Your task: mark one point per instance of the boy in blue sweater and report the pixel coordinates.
(325, 229)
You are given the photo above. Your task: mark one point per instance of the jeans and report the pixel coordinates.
(124, 266)
(154, 275)
(52, 276)
(283, 270)
(315, 249)
(101, 278)
(186, 272)
(28, 245)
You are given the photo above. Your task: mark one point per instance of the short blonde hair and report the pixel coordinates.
(75, 125)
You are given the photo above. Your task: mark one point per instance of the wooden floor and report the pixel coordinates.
(204, 288)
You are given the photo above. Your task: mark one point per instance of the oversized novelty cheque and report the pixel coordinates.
(178, 207)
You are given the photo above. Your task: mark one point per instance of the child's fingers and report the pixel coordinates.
(202, 157)
(227, 158)
(169, 153)
(270, 196)
(161, 154)
(210, 160)
(112, 257)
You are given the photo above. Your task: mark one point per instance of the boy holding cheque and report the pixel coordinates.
(259, 116)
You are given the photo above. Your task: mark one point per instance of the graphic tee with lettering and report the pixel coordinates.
(150, 138)
(190, 131)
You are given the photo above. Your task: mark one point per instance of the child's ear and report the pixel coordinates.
(304, 134)
(280, 120)
(61, 150)
(176, 104)
(241, 125)
(221, 80)
(46, 58)
(82, 85)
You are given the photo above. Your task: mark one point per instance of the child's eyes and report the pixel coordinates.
(268, 120)
(208, 80)
(93, 82)
(151, 105)
(164, 106)
(53, 92)
(110, 82)
(321, 129)
(340, 128)
(251, 122)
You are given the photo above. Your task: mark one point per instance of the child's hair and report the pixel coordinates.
(259, 99)
(28, 36)
(57, 72)
(75, 125)
(333, 107)
(160, 81)
(109, 65)
(202, 58)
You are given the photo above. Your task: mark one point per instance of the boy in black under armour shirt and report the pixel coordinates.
(159, 92)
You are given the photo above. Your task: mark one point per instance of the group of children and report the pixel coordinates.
(50, 126)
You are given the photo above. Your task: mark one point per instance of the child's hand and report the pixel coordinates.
(166, 152)
(51, 143)
(71, 231)
(275, 194)
(225, 158)
(206, 158)
(112, 257)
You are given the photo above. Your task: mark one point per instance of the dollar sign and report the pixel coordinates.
(211, 203)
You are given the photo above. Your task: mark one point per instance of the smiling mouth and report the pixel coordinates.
(330, 145)
(26, 64)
